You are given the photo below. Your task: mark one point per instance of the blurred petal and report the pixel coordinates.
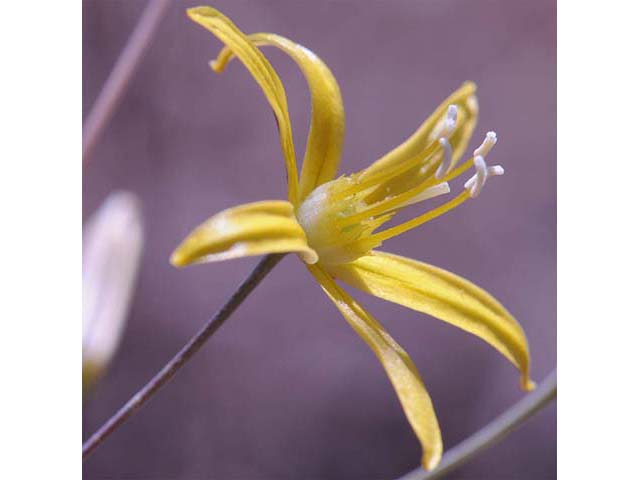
(111, 251)
(401, 370)
(265, 76)
(252, 229)
(443, 295)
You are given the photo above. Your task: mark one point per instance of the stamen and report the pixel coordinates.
(442, 132)
(482, 151)
(424, 218)
(431, 192)
(450, 120)
(367, 181)
(489, 141)
(459, 170)
(423, 191)
(447, 161)
(446, 125)
(474, 184)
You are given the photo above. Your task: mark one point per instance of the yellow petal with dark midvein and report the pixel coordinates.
(442, 294)
(400, 368)
(252, 229)
(326, 134)
(265, 76)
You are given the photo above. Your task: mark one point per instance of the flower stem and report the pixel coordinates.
(265, 265)
(491, 433)
(121, 74)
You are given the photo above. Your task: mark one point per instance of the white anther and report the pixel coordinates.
(446, 125)
(489, 141)
(431, 192)
(436, 190)
(496, 171)
(475, 183)
(481, 174)
(447, 160)
(450, 121)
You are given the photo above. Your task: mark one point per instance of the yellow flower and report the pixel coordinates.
(334, 223)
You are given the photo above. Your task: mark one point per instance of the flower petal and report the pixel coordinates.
(442, 294)
(263, 73)
(112, 244)
(401, 370)
(326, 134)
(251, 229)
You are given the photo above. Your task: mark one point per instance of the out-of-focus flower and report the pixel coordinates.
(334, 224)
(111, 251)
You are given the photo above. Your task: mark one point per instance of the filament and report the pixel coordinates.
(424, 218)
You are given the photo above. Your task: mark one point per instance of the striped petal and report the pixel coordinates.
(251, 229)
(326, 134)
(401, 370)
(265, 76)
(443, 295)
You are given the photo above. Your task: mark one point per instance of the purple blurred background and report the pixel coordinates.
(286, 390)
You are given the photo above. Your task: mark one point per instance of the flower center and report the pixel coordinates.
(322, 215)
(339, 220)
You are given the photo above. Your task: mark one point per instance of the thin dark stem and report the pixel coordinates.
(491, 433)
(182, 357)
(121, 74)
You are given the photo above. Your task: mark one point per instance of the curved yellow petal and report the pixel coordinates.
(265, 76)
(464, 98)
(443, 295)
(401, 370)
(251, 229)
(326, 134)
